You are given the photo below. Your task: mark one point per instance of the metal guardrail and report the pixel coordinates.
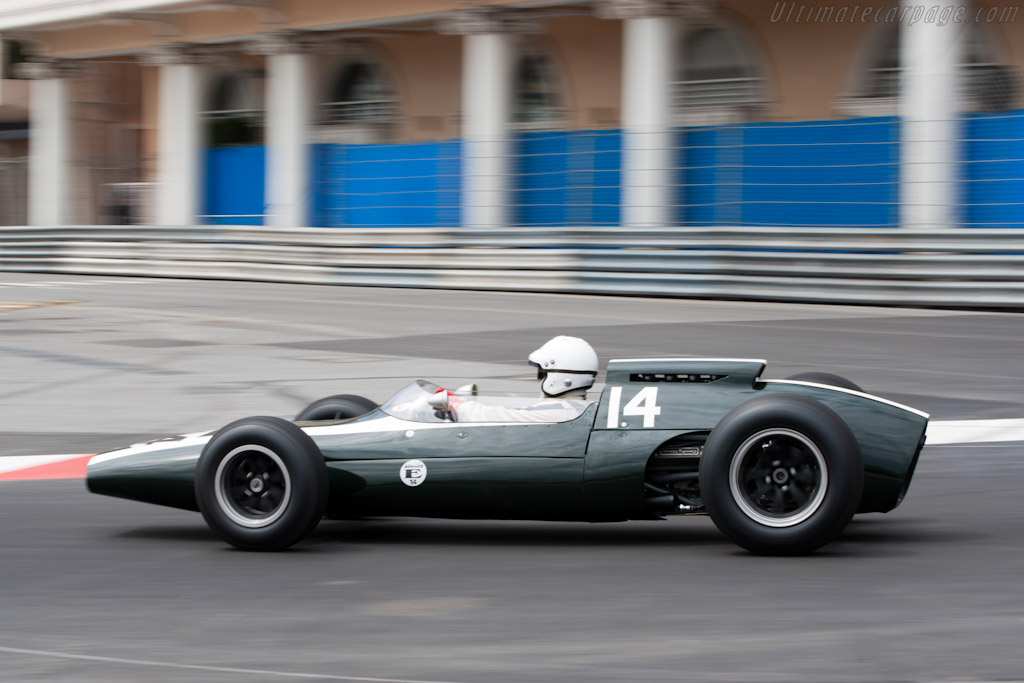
(956, 268)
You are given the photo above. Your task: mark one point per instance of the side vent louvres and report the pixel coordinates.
(663, 377)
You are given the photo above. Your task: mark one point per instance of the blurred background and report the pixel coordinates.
(826, 150)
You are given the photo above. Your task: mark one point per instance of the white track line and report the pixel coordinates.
(200, 667)
(13, 463)
(943, 432)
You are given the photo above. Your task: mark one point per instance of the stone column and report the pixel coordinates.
(649, 155)
(930, 121)
(179, 191)
(50, 172)
(487, 65)
(290, 94)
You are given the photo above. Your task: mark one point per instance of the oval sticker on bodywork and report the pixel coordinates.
(413, 472)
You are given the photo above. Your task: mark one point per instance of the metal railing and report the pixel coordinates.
(968, 268)
(718, 92)
(359, 111)
(987, 87)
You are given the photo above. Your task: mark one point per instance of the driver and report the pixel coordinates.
(566, 366)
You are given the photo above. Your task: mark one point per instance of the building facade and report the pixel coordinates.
(430, 113)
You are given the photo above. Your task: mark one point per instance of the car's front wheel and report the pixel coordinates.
(261, 483)
(781, 475)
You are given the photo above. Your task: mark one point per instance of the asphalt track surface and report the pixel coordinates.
(99, 589)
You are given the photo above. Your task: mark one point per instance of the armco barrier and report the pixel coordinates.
(957, 268)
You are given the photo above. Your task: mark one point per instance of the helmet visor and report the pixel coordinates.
(541, 372)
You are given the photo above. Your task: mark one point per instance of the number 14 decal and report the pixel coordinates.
(644, 403)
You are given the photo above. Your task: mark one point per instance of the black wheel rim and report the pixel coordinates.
(253, 486)
(778, 477)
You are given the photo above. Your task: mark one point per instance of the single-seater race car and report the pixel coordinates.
(780, 465)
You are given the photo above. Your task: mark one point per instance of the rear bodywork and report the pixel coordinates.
(591, 468)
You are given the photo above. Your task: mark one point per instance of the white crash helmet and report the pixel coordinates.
(564, 364)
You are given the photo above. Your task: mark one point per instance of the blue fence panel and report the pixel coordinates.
(406, 185)
(234, 186)
(327, 208)
(606, 198)
(994, 171)
(543, 177)
(567, 178)
(830, 173)
(700, 177)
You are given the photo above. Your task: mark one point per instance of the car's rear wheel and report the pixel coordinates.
(781, 475)
(826, 378)
(339, 407)
(261, 483)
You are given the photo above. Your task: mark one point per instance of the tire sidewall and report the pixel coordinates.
(826, 431)
(307, 472)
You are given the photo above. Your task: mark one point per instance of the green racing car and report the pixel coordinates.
(781, 466)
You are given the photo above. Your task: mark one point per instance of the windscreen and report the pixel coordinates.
(411, 403)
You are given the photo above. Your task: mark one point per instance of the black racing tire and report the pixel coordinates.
(340, 407)
(826, 378)
(282, 507)
(781, 475)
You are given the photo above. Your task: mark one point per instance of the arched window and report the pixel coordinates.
(13, 53)
(361, 94)
(717, 74)
(234, 110)
(537, 100)
(987, 84)
(882, 76)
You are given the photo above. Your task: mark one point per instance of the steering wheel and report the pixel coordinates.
(446, 415)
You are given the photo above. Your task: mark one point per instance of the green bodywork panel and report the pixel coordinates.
(527, 471)
(466, 487)
(614, 473)
(591, 468)
(164, 477)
